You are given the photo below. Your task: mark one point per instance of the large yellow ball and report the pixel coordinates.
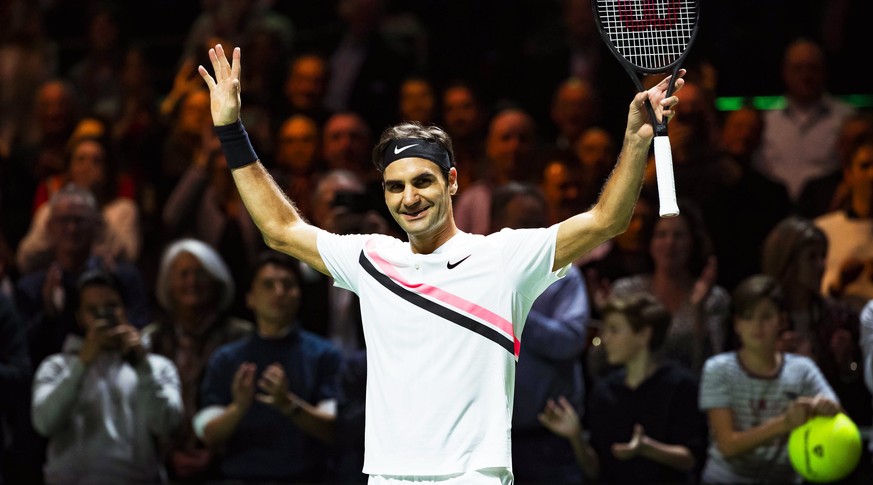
(825, 449)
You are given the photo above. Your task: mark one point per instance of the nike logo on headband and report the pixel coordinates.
(397, 150)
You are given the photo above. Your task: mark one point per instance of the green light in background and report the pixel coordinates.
(733, 103)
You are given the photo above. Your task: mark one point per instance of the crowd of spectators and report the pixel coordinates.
(148, 335)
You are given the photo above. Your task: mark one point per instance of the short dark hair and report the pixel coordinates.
(754, 289)
(97, 277)
(642, 310)
(276, 258)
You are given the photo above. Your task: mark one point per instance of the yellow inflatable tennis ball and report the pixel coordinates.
(825, 448)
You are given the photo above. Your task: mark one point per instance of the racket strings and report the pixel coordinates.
(650, 34)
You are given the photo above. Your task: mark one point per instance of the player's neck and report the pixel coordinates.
(430, 242)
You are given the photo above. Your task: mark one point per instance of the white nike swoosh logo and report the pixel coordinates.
(398, 149)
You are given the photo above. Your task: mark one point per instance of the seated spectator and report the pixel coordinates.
(44, 296)
(194, 290)
(644, 423)
(105, 402)
(417, 100)
(298, 160)
(596, 150)
(849, 265)
(683, 280)
(561, 184)
(268, 401)
(819, 327)
(799, 138)
(575, 107)
(303, 88)
(90, 165)
(755, 396)
(37, 152)
(828, 192)
(550, 359)
(510, 151)
(463, 118)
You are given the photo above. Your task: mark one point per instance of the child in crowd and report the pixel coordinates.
(756, 395)
(645, 426)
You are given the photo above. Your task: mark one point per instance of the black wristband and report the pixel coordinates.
(236, 145)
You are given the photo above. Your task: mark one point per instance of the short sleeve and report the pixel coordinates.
(340, 254)
(528, 256)
(715, 384)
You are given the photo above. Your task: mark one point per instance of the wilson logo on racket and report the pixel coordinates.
(651, 15)
(651, 37)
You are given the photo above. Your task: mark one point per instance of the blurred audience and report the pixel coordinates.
(206, 205)
(644, 426)
(575, 108)
(510, 155)
(92, 165)
(799, 139)
(828, 192)
(745, 203)
(194, 291)
(37, 153)
(463, 118)
(818, 326)
(304, 88)
(417, 100)
(268, 401)
(848, 272)
(297, 162)
(755, 396)
(597, 152)
(46, 296)
(683, 279)
(104, 403)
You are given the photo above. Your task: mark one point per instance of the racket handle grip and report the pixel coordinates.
(664, 172)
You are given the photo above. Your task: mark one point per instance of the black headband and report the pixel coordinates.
(416, 148)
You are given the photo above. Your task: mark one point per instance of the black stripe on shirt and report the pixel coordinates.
(435, 308)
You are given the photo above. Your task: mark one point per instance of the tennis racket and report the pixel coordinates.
(651, 37)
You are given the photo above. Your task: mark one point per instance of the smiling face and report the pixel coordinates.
(420, 199)
(191, 285)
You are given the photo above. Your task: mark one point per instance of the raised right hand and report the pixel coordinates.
(224, 90)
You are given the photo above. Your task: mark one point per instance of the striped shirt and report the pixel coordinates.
(753, 400)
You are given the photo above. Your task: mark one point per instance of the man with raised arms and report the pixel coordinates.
(443, 311)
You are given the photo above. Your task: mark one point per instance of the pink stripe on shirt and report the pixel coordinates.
(445, 297)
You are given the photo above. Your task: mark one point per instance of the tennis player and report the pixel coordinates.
(443, 311)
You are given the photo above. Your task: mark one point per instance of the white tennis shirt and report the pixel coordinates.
(442, 333)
